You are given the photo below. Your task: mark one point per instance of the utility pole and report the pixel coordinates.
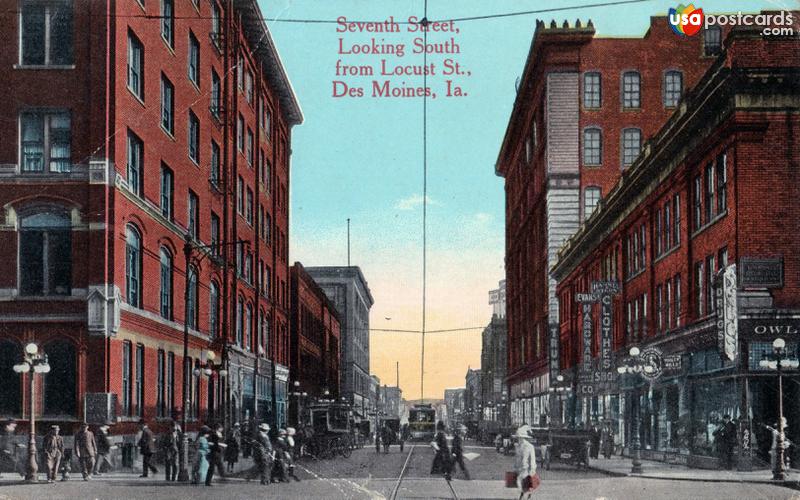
(397, 379)
(348, 242)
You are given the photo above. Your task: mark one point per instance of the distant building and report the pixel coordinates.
(497, 299)
(314, 338)
(391, 398)
(454, 406)
(348, 290)
(473, 401)
(493, 367)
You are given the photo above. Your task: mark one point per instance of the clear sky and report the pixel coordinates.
(362, 159)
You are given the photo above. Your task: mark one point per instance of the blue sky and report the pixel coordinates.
(362, 159)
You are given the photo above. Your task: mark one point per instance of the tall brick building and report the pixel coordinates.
(131, 127)
(584, 106)
(315, 337)
(712, 193)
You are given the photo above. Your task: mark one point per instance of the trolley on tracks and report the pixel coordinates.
(333, 432)
(422, 421)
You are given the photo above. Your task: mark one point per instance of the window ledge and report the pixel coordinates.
(667, 253)
(635, 275)
(135, 96)
(169, 134)
(593, 166)
(169, 46)
(45, 66)
(638, 108)
(710, 223)
(194, 84)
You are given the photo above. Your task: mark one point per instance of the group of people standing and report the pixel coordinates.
(448, 456)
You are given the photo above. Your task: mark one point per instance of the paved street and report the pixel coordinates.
(367, 475)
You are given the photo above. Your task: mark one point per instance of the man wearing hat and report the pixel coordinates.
(524, 460)
(147, 448)
(725, 437)
(8, 447)
(103, 450)
(85, 450)
(53, 451)
(170, 443)
(458, 449)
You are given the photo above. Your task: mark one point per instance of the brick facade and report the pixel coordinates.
(152, 103)
(726, 158)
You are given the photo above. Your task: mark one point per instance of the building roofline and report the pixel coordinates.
(301, 272)
(262, 44)
(334, 271)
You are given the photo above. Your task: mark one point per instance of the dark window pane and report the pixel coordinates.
(10, 394)
(61, 33)
(31, 247)
(60, 384)
(33, 33)
(60, 262)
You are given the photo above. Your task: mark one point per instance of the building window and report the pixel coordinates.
(249, 146)
(194, 59)
(673, 88)
(46, 140)
(678, 310)
(240, 196)
(667, 226)
(139, 380)
(248, 268)
(45, 254)
(193, 224)
(712, 41)
(631, 145)
(711, 303)
(698, 289)
(591, 90)
(191, 302)
(126, 378)
(216, 94)
(166, 283)
(167, 105)
(669, 307)
(167, 191)
(248, 86)
(591, 197)
(215, 227)
(240, 322)
(643, 247)
(249, 207)
(171, 383)
(723, 258)
(133, 266)
(194, 137)
(46, 32)
(660, 308)
(168, 22)
(722, 183)
(240, 134)
(214, 163)
(240, 73)
(267, 122)
(698, 205)
(161, 408)
(11, 388)
(213, 310)
(631, 90)
(216, 24)
(135, 164)
(135, 66)
(709, 192)
(592, 146)
(676, 225)
(248, 322)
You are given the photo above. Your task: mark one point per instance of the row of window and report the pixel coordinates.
(672, 89)
(710, 192)
(630, 146)
(668, 304)
(705, 272)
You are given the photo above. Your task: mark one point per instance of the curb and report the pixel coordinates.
(791, 484)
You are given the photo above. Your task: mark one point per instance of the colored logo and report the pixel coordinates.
(686, 21)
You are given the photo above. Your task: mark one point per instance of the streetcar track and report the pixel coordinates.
(396, 489)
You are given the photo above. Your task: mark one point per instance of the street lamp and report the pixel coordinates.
(190, 247)
(33, 362)
(298, 394)
(209, 368)
(777, 361)
(559, 389)
(637, 366)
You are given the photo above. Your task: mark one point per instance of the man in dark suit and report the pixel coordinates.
(147, 447)
(725, 437)
(85, 450)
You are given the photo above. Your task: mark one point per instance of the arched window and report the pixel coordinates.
(631, 145)
(213, 309)
(240, 322)
(191, 303)
(248, 322)
(673, 88)
(133, 266)
(60, 397)
(10, 395)
(262, 318)
(45, 253)
(631, 89)
(166, 283)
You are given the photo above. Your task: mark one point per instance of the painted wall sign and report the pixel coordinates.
(760, 273)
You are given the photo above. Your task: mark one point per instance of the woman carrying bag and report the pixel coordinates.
(525, 463)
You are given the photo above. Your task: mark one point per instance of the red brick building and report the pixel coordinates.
(315, 339)
(130, 125)
(712, 192)
(584, 106)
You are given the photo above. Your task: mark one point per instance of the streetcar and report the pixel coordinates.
(422, 421)
(332, 430)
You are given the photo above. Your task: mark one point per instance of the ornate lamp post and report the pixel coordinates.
(777, 361)
(636, 366)
(33, 362)
(559, 389)
(210, 368)
(298, 394)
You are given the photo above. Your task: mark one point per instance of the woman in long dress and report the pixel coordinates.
(524, 461)
(201, 460)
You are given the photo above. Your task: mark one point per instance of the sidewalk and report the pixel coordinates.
(621, 467)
